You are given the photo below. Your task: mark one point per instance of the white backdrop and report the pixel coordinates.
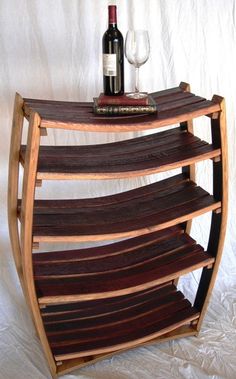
(52, 49)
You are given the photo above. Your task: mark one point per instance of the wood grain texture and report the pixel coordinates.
(139, 156)
(111, 313)
(29, 179)
(140, 211)
(152, 332)
(112, 330)
(56, 313)
(13, 178)
(113, 249)
(69, 364)
(116, 269)
(174, 105)
(219, 220)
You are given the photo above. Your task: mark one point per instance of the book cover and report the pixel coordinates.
(149, 108)
(120, 100)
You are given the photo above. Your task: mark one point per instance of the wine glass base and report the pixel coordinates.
(137, 95)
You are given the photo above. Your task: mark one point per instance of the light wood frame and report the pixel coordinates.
(219, 219)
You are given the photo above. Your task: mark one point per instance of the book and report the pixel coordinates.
(120, 100)
(110, 110)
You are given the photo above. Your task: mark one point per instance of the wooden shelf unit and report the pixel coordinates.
(89, 303)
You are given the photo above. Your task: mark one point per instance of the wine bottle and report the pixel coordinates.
(113, 57)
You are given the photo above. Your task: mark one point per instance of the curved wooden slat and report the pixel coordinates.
(113, 249)
(109, 315)
(140, 156)
(117, 269)
(140, 211)
(69, 206)
(69, 364)
(59, 312)
(172, 109)
(122, 329)
(69, 311)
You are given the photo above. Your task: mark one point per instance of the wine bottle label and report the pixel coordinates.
(109, 64)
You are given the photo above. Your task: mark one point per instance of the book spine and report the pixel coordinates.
(122, 109)
(121, 101)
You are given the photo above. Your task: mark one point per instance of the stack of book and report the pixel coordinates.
(120, 105)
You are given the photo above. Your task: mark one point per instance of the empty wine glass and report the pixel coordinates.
(137, 49)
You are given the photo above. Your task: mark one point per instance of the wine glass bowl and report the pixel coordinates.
(137, 50)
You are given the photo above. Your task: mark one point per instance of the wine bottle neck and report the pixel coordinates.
(112, 26)
(112, 18)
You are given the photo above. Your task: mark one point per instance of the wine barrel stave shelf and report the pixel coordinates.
(89, 303)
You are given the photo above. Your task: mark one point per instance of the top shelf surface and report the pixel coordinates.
(173, 106)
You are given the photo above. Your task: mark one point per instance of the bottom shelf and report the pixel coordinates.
(66, 366)
(102, 326)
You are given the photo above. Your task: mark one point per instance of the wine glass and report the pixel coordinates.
(137, 49)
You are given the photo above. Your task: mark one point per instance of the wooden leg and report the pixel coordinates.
(29, 181)
(218, 223)
(13, 178)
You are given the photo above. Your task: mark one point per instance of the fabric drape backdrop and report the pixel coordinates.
(52, 50)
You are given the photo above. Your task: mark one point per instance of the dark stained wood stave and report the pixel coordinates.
(47, 105)
(157, 140)
(108, 250)
(86, 110)
(57, 330)
(180, 250)
(101, 152)
(151, 205)
(167, 92)
(110, 262)
(69, 206)
(92, 309)
(111, 329)
(90, 118)
(151, 325)
(160, 100)
(136, 214)
(161, 97)
(155, 160)
(126, 123)
(132, 338)
(139, 155)
(167, 216)
(120, 146)
(185, 109)
(141, 196)
(132, 210)
(129, 280)
(170, 104)
(97, 305)
(60, 103)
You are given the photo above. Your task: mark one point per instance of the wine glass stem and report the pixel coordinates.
(136, 79)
